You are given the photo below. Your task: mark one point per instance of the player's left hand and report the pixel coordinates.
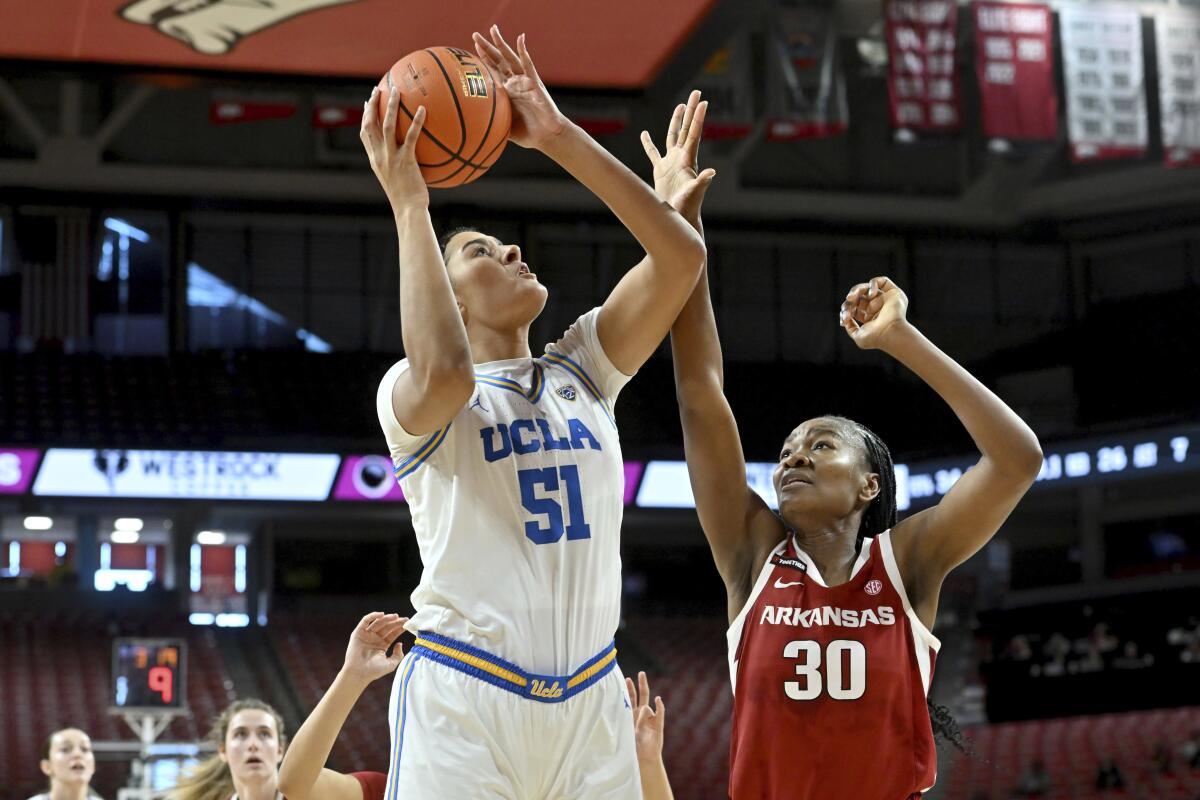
(676, 173)
(535, 118)
(873, 312)
(648, 723)
(367, 653)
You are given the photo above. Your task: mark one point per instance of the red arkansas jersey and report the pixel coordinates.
(830, 683)
(372, 783)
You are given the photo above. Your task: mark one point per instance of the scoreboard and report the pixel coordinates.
(149, 675)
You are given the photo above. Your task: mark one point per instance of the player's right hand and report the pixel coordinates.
(367, 653)
(395, 165)
(677, 178)
(648, 723)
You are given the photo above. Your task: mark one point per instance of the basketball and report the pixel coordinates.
(467, 113)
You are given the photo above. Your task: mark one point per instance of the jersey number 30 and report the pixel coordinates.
(840, 684)
(549, 479)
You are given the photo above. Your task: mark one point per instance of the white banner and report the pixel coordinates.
(1178, 38)
(1105, 81)
(186, 474)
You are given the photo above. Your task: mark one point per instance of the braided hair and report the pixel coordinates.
(880, 516)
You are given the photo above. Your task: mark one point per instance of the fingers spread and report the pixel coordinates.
(526, 61)
(660, 708)
(414, 131)
(514, 61)
(490, 55)
(651, 151)
(643, 689)
(366, 130)
(389, 116)
(674, 124)
(696, 130)
(689, 113)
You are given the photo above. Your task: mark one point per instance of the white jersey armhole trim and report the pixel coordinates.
(733, 636)
(923, 638)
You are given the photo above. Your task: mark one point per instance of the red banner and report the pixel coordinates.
(923, 88)
(1014, 61)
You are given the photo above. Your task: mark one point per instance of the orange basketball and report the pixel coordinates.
(467, 113)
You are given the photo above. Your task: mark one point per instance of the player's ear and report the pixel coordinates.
(870, 488)
(45, 765)
(462, 310)
(221, 754)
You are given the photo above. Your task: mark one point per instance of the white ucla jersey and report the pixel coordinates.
(517, 506)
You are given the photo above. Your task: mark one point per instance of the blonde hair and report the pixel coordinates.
(211, 779)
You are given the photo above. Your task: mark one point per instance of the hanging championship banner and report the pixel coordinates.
(923, 89)
(1015, 67)
(806, 89)
(1178, 40)
(726, 82)
(1105, 81)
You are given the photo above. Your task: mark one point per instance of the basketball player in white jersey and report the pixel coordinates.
(512, 469)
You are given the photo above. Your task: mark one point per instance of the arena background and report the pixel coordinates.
(198, 298)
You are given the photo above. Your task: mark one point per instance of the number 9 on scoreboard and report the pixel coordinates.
(149, 675)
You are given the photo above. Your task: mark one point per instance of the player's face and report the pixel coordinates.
(492, 282)
(252, 745)
(71, 759)
(823, 472)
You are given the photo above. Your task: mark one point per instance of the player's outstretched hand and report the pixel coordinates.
(873, 312)
(395, 165)
(676, 172)
(535, 118)
(648, 723)
(367, 653)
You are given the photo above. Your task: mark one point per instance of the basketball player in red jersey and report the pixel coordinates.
(831, 600)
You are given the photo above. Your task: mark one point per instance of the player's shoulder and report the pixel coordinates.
(578, 335)
(394, 372)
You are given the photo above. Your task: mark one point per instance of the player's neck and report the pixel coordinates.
(258, 790)
(831, 548)
(68, 791)
(490, 344)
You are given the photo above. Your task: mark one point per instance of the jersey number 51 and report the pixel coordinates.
(550, 480)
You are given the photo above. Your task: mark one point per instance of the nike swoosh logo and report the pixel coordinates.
(779, 584)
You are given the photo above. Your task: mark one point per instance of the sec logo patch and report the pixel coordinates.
(874, 587)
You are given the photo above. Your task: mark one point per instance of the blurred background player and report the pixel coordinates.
(501, 454)
(831, 602)
(250, 739)
(69, 764)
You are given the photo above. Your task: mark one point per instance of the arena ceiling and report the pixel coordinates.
(576, 44)
(128, 105)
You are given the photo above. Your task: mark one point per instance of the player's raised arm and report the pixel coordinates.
(302, 774)
(440, 376)
(931, 543)
(739, 526)
(637, 315)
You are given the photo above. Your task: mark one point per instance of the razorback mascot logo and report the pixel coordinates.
(214, 27)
